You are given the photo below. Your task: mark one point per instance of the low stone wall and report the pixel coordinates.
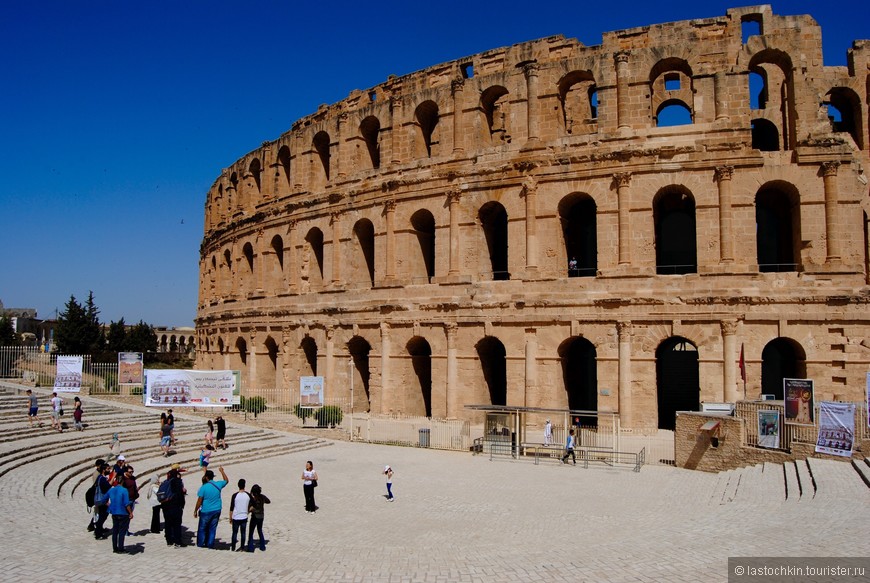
(695, 449)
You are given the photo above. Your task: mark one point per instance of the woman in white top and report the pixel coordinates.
(388, 472)
(309, 481)
(155, 503)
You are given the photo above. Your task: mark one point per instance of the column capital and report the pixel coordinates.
(330, 332)
(622, 179)
(457, 85)
(389, 205)
(621, 57)
(454, 195)
(830, 168)
(530, 186)
(451, 329)
(724, 173)
(729, 327)
(623, 328)
(531, 69)
(385, 329)
(335, 217)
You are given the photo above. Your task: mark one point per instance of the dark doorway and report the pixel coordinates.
(423, 224)
(359, 350)
(314, 238)
(676, 247)
(578, 216)
(494, 220)
(580, 375)
(780, 359)
(677, 380)
(775, 237)
(421, 359)
(365, 236)
(765, 136)
(491, 353)
(309, 347)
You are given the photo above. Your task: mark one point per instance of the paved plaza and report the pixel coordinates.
(457, 517)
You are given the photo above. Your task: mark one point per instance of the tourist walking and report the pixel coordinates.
(220, 438)
(98, 466)
(548, 433)
(56, 412)
(569, 448)
(257, 513)
(173, 508)
(239, 506)
(209, 435)
(309, 482)
(101, 501)
(205, 456)
(114, 448)
(165, 438)
(77, 414)
(208, 507)
(388, 472)
(153, 487)
(121, 509)
(33, 408)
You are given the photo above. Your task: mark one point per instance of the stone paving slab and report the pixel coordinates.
(456, 517)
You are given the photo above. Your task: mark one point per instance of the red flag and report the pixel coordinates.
(742, 365)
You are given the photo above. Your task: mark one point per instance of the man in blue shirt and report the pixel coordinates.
(208, 507)
(121, 510)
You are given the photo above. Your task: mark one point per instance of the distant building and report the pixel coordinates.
(173, 339)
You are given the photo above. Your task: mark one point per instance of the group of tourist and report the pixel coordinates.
(56, 411)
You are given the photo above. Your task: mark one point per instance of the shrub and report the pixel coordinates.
(303, 412)
(253, 405)
(328, 415)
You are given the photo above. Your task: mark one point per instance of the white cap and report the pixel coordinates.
(386, 468)
(121, 458)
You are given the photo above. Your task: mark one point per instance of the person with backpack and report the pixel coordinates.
(171, 496)
(101, 501)
(89, 494)
(239, 504)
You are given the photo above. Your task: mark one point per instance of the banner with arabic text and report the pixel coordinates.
(799, 401)
(836, 428)
(68, 378)
(189, 388)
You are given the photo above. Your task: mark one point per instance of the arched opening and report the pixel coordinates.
(269, 373)
(321, 146)
(255, 170)
(313, 259)
(775, 101)
(364, 232)
(673, 113)
(777, 223)
(866, 247)
(674, 217)
(227, 279)
(277, 246)
(494, 220)
(283, 168)
(370, 129)
(240, 202)
(578, 99)
(423, 224)
(495, 105)
(427, 118)
(848, 106)
(492, 356)
(765, 135)
(309, 349)
(678, 384)
(241, 353)
(577, 213)
(580, 375)
(359, 350)
(782, 358)
(421, 361)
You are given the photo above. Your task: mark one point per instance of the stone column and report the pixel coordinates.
(453, 198)
(730, 393)
(456, 88)
(335, 221)
(385, 369)
(298, 167)
(259, 264)
(530, 191)
(531, 72)
(623, 330)
(341, 146)
(622, 73)
(287, 350)
(253, 381)
(623, 181)
(390, 243)
(329, 377)
(832, 195)
(531, 385)
(235, 258)
(451, 406)
(290, 261)
(396, 132)
(720, 95)
(726, 236)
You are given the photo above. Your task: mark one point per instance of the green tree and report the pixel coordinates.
(116, 339)
(8, 336)
(141, 338)
(78, 327)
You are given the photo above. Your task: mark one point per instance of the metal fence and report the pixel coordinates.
(790, 433)
(29, 365)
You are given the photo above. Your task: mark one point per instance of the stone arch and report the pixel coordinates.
(312, 268)
(240, 199)
(241, 354)
(277, 269)
(578, 216)
(577, 99)
(848, 104)
(493, 361)
(678, 385)
(282, 170)
(369, 130)
(675, 231)
(309, 351)
(423, 225)
(267, 366)
(255, 171)
(579, 373)
(495, 111)
(671, 85)
(765, 135)
(364, 258)
(776, 101)
(781, 358)
(321, 143)
(778, 228)
(227, 266)
(426, 118)
(359, 350)
(419, 401)
(494, 222)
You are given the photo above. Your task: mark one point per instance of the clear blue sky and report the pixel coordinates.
(116, 116)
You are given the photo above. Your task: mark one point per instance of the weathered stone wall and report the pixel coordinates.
(426, 224)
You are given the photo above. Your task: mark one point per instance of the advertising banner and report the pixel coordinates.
(868, 399)
(836, 428)
(189, 388)
(768, 429)
(311, 391)
(131, 368)
(68, 378)
(799, 401)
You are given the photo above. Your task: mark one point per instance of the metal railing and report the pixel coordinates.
(33, 367)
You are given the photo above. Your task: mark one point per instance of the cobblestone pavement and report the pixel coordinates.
(456, 517)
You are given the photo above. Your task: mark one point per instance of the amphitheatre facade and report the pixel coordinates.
(526, 227)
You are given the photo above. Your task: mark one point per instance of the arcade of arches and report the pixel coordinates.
(551, 225)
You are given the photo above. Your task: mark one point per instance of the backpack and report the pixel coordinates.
(164, 492)
(89, 495)
(101, 489)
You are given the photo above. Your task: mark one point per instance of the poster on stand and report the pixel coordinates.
(799, 401)
(836, 428)
(131, 368)
(311, 391)
(768, 429)
(68, 378)
(189, 388)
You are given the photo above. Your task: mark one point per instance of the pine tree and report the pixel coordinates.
(116, 339)
(8, 336)
(142, 338)
(78, 328)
